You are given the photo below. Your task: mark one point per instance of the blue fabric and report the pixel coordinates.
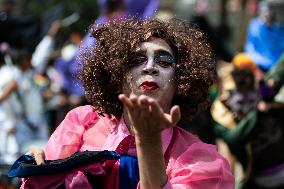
(141, 8)
(26, 166)
(69, 70)
(128, 172)
(16, 171)
(265, 43)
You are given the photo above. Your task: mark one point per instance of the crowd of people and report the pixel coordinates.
(84, 96)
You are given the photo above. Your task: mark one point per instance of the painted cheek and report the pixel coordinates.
(133, 78)
(167, 77)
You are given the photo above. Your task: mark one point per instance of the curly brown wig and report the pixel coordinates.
(105, 64)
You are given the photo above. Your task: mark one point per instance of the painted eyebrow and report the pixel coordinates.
(140, 52)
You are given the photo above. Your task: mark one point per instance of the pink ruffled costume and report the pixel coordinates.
(190, 162)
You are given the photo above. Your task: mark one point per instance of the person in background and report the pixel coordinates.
(9, 148)
(247, 134)
(265, 35)
(121, 9)
(234, 111)
(33, 126)
(274, 80)
(45, 48)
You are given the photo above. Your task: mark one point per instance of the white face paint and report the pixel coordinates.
(152, 73)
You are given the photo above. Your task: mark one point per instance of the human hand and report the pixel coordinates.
(259, 75)
(271, 83)
(147, 117)
(55, 28)
(38, 155)
(11, 130)
(263, 106)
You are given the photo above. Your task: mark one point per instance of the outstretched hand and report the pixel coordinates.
(55, 28)
(147, 117)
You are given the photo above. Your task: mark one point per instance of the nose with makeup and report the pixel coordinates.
(150, 68)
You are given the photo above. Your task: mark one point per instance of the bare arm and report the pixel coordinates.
(11, 87)
(266, 106)
(45, 47)
(148, 121)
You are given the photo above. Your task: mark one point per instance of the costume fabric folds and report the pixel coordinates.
(190, 163)
(26, 166)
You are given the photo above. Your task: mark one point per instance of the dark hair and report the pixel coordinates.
(244, 79)
(105, 64)
(24, 54)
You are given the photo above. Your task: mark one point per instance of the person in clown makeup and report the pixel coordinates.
(143, 78)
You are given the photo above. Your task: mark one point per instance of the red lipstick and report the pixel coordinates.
(149, 85)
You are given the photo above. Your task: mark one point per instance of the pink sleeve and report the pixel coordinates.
(199, 167)
(67, 138)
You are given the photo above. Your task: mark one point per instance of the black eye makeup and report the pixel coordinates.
(138, 58)
(164, 58)
(161, 57)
